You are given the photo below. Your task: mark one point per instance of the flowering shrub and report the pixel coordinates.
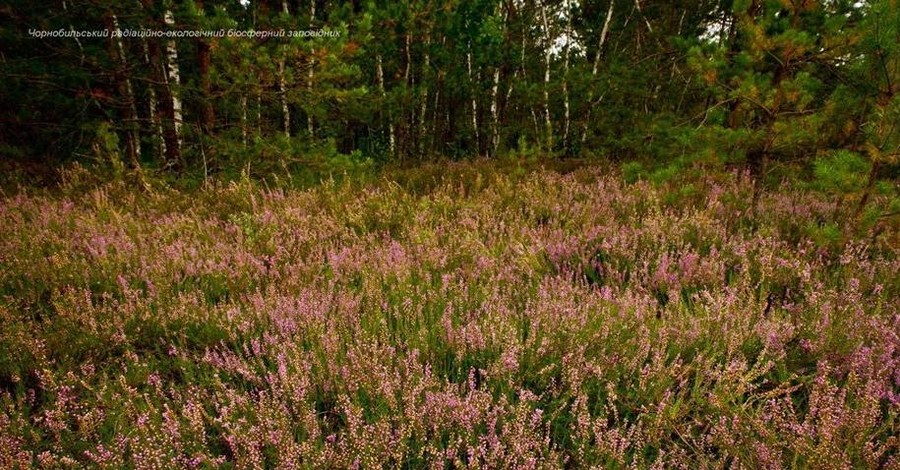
(542, 321)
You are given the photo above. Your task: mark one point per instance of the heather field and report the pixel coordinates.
(462, 318)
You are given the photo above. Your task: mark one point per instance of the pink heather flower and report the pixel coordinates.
(153, 379)
(510, 360)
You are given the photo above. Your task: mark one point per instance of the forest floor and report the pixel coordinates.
(484, 319)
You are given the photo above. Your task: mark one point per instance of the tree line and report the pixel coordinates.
(755, 82)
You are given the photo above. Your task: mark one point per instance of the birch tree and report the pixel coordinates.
(567, 11)
(546, 43)
(126, 90)
(173, 84)
(379, 73)
(601, 41)
(282, 89)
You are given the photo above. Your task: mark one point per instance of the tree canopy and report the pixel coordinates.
(754, 82)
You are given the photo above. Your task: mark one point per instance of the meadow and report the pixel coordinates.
(462, 318)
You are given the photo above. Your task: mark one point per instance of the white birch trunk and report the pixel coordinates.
(409, 82)
(565, 83)
(152, 104)
(495, 112)
(244, 119)
(156, 122)
(174, 78)
(258, 113)
(129, 94)
(434, 112)
(423, 106)
(282, 95)
(282, 87)
(474, 98)
(75, 36)
(379, 71)
(603, 35)
(548, 123)
(406, 73)
(637, 3)
(311, 74)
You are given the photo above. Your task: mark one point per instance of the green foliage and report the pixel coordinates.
(106, 146)
(842, 172)
(665, 174)
(827, 235)
(632, 171)
(756, 82)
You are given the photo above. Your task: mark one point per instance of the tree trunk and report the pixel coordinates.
(548, 123)
(423, 105)
(310, 77)
(159, 146)
(565, 81)
(161, 111)
(474, 99)
(495, 113)
(244, 118)
(604, 33)
(379, 72)
(173, 143)
(311, 74)
(637, 4)
(164, 111)
(437, 141)
(204, 55)
(282, 96)
(409, 83)
(258, 113)
(282, 88)
(207, 112)
(128, 109)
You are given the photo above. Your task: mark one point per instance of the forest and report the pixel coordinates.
(449, 234)
(769, 84)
